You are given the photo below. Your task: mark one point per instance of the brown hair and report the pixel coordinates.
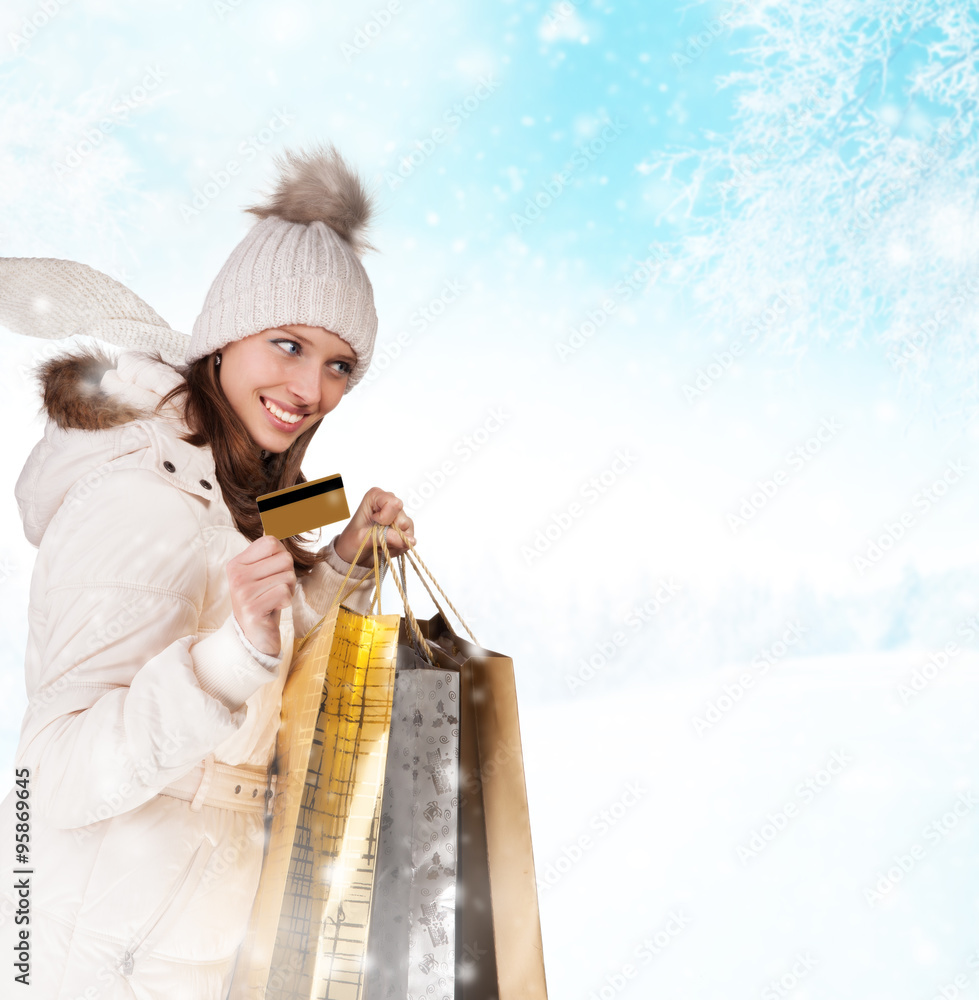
(241, 473)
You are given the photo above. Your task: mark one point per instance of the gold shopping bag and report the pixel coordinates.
(308, 927)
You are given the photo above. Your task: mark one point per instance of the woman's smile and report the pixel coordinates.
(282, 416)
(294, 374)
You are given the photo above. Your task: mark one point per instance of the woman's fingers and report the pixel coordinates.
(261, 582)
(384, 507)
(389, 509)
(378, 507)
(395, 542)
(264, 592)
(263, 557)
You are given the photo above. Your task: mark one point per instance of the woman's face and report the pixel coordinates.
(281, 381)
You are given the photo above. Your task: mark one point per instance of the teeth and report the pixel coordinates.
(289, 418)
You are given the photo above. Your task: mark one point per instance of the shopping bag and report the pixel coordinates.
(462, 922)
(487, 911)
(411, 943)
(307, 932)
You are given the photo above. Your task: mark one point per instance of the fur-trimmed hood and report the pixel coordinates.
(72, 393)
(100, 410)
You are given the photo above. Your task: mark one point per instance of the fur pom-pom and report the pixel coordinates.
(318, 186)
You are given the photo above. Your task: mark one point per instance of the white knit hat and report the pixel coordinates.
(300, 264)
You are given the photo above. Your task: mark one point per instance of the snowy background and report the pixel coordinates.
(676, 372)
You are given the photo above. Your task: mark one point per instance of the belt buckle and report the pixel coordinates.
(202, 789)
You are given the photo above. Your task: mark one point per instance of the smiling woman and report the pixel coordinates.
(162, 619)
(282, 381)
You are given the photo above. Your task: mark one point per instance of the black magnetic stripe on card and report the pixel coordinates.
(304, 492)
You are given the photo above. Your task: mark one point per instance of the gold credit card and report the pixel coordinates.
(304, 507)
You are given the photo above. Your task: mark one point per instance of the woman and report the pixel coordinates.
(161, 620)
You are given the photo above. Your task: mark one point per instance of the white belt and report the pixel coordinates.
(243, 788)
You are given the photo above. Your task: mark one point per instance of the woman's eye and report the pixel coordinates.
(291, 343)
(343, 367)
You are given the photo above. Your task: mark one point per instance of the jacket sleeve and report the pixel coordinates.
(321, 587)
(124, 694)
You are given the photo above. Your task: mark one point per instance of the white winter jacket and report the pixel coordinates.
(135, 675)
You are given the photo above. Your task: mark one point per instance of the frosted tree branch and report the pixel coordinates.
(849, 180)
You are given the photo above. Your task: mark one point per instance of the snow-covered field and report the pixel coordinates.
(817, 841)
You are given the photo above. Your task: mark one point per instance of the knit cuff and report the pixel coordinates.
(267, 660)
(226, 670)
(320, 588)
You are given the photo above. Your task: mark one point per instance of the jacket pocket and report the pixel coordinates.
(170, 906)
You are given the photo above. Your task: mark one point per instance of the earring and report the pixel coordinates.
(217, 360)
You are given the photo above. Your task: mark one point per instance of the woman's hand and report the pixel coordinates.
(262, 580)
(377, 507)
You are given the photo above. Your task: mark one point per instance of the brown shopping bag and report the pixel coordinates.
(308, 926)
(460, 879)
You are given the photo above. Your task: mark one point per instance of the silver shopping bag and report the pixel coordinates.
(412, 939)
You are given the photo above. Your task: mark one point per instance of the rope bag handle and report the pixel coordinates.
(378, 537)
